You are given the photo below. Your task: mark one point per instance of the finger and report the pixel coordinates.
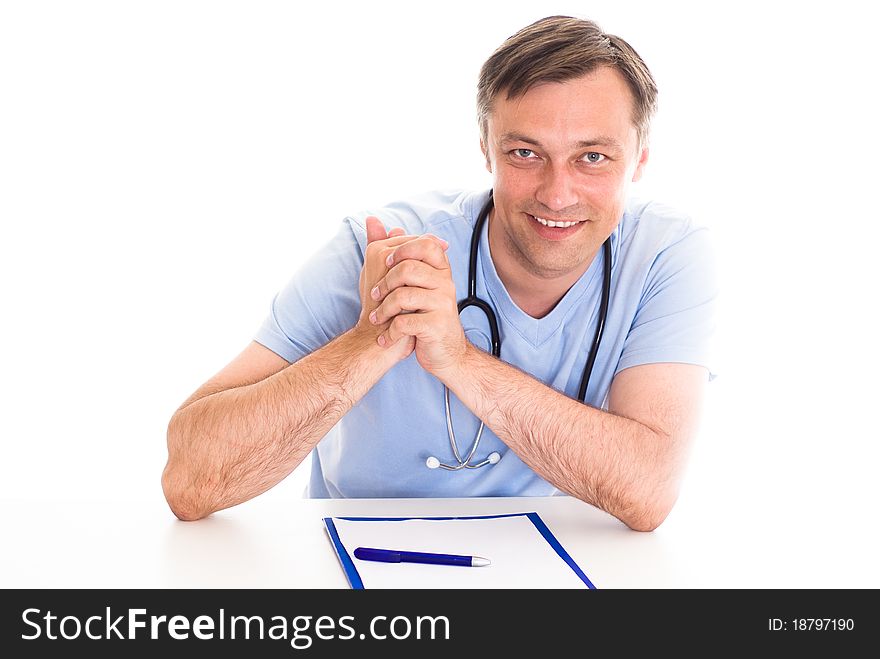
(394, 241)
(375, 229)
(408, 273)
(403, 325)
(424, 248)
(408, 299)
(384, 247)
(440, 241)
(397, 237)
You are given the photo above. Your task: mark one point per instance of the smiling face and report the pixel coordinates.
(563, 152)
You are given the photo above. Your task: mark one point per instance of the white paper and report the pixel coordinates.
(521, 557)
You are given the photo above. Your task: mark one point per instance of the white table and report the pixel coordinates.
(270, 543)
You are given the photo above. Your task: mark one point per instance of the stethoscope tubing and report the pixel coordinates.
(495, 337)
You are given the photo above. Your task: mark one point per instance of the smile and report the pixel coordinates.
(555, 223)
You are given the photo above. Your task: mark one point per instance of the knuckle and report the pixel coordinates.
(394, 297)
(401, 298)
(412, 297)
(404, 322)
(428, 246)
(409, 269)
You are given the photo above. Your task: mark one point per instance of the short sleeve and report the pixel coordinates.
(321, 300)
(676, 317)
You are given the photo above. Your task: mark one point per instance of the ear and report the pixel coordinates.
(486, 155)
(640, 166)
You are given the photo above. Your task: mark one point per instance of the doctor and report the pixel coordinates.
(359, 351)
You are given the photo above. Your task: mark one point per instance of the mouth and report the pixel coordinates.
(555, 229)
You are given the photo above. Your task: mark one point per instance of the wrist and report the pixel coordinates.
(362, 346)
(457, 368)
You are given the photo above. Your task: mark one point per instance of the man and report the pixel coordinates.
(352, 362)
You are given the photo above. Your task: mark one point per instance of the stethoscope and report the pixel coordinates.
(473, 301)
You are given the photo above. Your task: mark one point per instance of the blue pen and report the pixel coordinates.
(395, 556)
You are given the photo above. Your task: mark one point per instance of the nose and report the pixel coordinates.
(556, 190)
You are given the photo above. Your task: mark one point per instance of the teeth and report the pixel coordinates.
(551, 223)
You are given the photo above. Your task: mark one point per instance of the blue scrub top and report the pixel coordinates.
(662, 309)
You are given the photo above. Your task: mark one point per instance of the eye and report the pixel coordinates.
(593, 157)
(524, 153)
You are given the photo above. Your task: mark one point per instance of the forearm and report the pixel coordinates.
(232, 445)
(609, 461)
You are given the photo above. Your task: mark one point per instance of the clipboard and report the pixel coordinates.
(523, 551)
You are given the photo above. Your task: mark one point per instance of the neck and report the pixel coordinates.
(537, 296)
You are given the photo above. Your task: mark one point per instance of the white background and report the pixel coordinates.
(165, 166)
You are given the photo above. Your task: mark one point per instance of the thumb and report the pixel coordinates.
(375, 229)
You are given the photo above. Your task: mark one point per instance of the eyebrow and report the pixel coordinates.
(601, 140)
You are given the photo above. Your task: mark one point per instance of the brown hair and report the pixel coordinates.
(560, 48)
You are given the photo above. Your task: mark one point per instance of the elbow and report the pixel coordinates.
(178, 486)
(181, 501)
(653, 496)
(647, 521)
(648, 514)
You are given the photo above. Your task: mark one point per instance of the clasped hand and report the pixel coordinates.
(408, 295)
